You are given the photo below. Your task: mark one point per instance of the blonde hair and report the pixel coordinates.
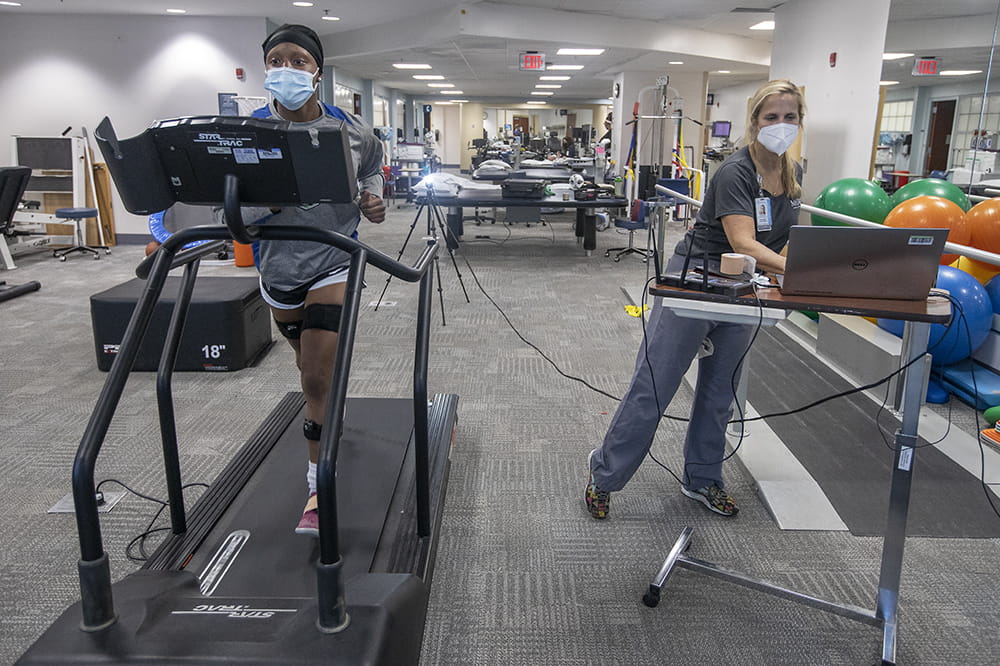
(776, 87)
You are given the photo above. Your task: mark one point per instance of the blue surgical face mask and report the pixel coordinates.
(291, 87)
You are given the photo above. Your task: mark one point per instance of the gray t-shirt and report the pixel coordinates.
(286, 265)
(732, 191)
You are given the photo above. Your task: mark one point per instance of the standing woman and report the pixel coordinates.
(304, 282)
(751, 203)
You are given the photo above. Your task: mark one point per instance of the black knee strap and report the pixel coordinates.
(290, 329)
(312, 430)
(325, 316)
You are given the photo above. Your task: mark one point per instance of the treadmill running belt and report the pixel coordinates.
(277, 562)
(838, 444)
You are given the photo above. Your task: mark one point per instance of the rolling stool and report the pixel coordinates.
(76, 216)
(631, 226)
(636, 223)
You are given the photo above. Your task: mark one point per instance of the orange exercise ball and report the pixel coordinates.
(929, 212)
(151, 247)
(984, 222)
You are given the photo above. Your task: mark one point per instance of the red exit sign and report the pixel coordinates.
(531, 61)
(925, 66)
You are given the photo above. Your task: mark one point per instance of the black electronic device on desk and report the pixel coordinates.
(702, 277)
(709, 282)
(231, 582)
(523, 188)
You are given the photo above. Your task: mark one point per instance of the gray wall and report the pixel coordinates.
(70, 71)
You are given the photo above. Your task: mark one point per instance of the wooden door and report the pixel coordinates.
(939, 137)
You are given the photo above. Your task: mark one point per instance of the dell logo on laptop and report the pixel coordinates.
(859, 264)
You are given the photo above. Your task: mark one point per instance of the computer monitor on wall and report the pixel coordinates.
(721, 129)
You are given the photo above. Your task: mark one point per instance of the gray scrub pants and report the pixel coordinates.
(671, 343)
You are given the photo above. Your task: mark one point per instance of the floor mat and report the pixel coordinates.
(838, 444)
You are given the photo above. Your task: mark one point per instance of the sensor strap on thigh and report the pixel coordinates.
(290, 329)
(325, 316)
(312, 430)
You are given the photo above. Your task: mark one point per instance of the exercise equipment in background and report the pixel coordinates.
(856, 197)
(934, 187)
(932, 212)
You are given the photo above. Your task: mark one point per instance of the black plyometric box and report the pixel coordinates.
(228, 325)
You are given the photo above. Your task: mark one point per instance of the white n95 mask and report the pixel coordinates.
(291, 87)
(778, 138)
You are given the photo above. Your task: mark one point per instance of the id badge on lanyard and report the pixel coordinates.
(762, 208)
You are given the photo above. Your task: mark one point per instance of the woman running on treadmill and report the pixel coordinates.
(304, 282)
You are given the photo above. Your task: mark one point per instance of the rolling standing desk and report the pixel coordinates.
(918, 316)
(586, 220)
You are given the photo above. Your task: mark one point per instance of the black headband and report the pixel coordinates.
(296, 34)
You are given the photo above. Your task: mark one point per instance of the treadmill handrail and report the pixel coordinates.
(299, 232)
(95, 581)
(182, 258)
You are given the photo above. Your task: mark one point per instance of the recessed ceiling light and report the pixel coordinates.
(410, 65)
(459, 101)
(548, 85)
(895, 56)
(428, 77)
(554, 78)
(16, 4)
(723, 71)
(763, 25)
(567, 68)
(443, 103)
(590, 52)
(169, 11)
(535, 101)
(440, 85)
(302, 4)
(959, 72)
(452, 92)
(327, 17)
(542, 92)
(888, 83)
(676, 62)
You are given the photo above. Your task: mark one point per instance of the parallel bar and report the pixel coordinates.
(953, 248)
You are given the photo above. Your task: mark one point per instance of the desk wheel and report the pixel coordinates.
(652, 597)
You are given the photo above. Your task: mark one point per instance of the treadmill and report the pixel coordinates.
(232, 582)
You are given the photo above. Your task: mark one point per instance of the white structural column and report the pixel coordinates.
(842, 98)
(687, 94)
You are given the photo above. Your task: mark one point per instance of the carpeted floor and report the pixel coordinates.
(523, 575)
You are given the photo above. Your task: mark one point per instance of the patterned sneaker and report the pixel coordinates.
(309, 524)
(598, 501)
(715, 498)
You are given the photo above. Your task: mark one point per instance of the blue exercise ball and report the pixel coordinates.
(971, 318)
(993, 290)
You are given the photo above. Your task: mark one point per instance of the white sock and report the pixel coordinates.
(311, 477)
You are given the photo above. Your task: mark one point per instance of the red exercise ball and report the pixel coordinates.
(929, 212)
(151, 247)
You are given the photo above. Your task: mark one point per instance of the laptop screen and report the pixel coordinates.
(862, 262)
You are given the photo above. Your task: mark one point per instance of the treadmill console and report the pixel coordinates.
(187, 159)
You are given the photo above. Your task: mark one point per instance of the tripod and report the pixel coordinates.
(435, 221)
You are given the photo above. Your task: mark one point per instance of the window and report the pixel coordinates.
(969, 111)
(344, 97)
(897, 117)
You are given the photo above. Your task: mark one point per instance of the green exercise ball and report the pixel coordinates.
(856, 197)
(992, 415)
(934, 187)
